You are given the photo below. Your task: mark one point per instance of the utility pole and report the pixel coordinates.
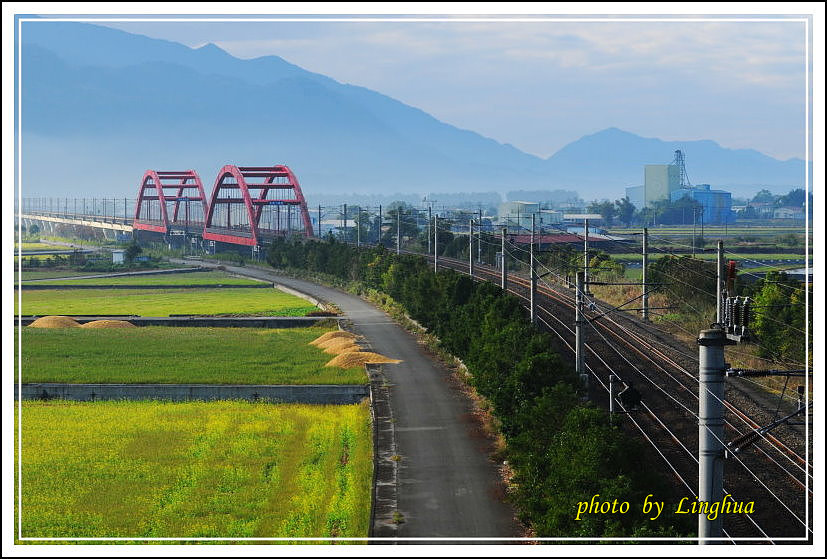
(503, 272)
(533, 298)
(398, 230)
(579, 365)
(712, 369)
(644, 286)
(471, 247)
(320, 221)
(428, 228)
(436, 243)
(586, 256)
(719, 317)
(344, 221)
(358, 226)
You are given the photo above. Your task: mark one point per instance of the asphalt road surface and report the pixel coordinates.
(447, 486)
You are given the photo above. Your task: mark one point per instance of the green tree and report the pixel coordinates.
(779, 318)
(408, 220)
(132, 251)
(625, 211)
(605, 208)
(794, 197)
(764, 195)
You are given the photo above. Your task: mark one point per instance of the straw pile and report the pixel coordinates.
(342, 346)
(54, 322)
(108, 324)
(327, 336)
(351, 359)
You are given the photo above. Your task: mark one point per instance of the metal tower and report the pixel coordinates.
(681, 164)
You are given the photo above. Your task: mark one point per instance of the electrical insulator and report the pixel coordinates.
(729, 318)
(745, 315)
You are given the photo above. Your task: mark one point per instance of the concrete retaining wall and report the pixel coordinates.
(29, 287)
(304, 394)
(204, 321)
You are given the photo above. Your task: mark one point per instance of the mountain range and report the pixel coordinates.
(100, 106)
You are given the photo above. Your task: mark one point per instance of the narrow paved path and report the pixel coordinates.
(447, 485)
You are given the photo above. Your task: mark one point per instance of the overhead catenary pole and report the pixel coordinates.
(612, 399)
(436, 243)
(579, 364)
(533, 274)
(712, 370)
(471, 247)
(428, 228)
(694, 220)
(719, 317)
(644, 286)
(503, 272)
(585, 256)
(479, 239)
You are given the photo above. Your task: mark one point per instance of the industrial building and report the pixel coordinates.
(635, 194)
(659, 182)
(670, 182)
(717, 204)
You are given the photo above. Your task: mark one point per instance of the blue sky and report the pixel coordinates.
(540, 85)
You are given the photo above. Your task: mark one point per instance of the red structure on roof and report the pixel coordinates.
(249, 204)
(179, 193)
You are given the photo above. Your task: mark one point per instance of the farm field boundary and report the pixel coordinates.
(127, 274)
(339, 394)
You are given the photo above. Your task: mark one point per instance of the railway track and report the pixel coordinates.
(773, 473)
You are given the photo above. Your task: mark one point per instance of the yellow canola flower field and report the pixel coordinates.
(194, 470)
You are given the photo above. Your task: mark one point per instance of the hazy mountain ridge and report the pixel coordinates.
(123, 103)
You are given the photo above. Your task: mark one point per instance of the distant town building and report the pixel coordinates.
(789, 212)
(517, 213)
(717, 204)
(594, 219)
(659, 182)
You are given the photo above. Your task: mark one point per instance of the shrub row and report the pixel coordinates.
(561, 451)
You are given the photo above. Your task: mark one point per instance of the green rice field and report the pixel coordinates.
(193, 470)
(38, 246)
(206, 278)
(169, 355)
(163, 302)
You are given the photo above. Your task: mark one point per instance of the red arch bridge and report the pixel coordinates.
(248, 207)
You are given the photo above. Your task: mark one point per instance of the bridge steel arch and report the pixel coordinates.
(170, 201)
(251, 204)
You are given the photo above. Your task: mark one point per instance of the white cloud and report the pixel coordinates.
(550, 79)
